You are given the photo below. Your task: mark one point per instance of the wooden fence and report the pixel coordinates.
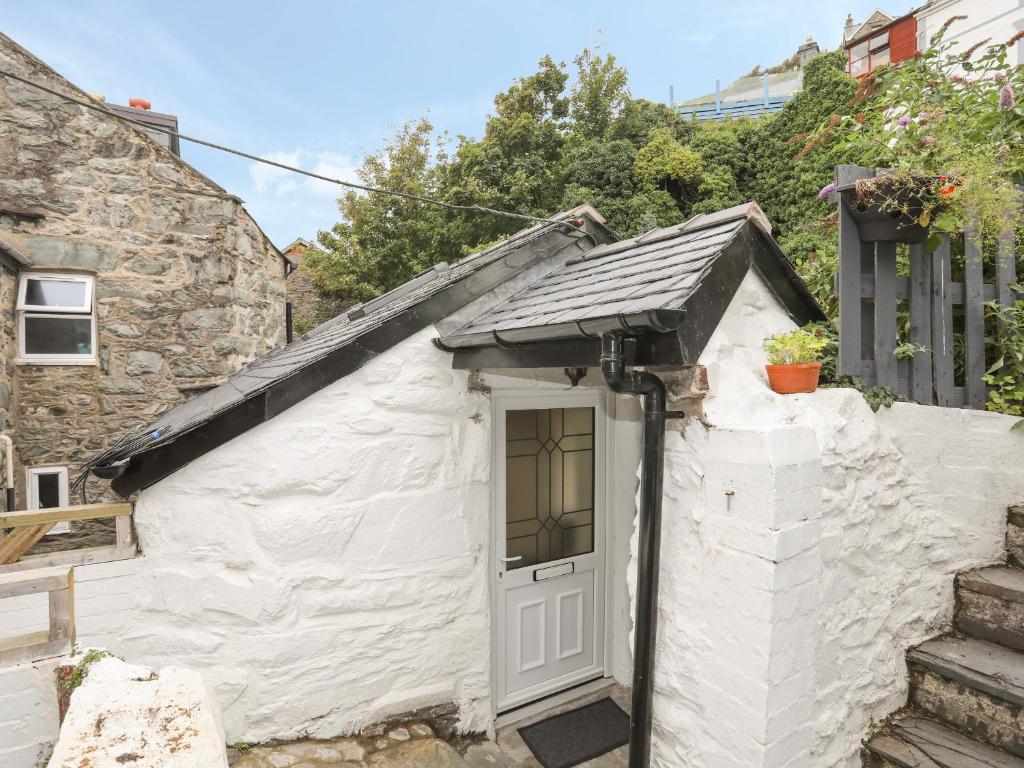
(870, 289)
(59, 584)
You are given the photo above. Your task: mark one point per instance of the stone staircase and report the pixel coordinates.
(966, 707)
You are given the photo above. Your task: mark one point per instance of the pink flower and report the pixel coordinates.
(904, 121)
(827, 190)
(927, 139)
(1006, 97)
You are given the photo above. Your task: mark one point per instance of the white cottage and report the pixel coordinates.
(432, 499)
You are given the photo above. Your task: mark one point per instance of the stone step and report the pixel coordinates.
(990, 605)
(918, 742)
(974, 685)
(1015, 536)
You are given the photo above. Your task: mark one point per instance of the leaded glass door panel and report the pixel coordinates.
(549, 501)
(549, 495)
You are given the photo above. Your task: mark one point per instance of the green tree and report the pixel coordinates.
(383, 240)
(665, 163)
(516, 166)
(598, 95)
(554, 142)
(639, 117)
(787, 189)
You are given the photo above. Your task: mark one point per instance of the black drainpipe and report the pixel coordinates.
(653, 390)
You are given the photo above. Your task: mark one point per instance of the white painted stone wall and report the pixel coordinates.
(329, 568)
(28, 713)
(807, 543)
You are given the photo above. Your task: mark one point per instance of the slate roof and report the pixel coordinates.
(656, 272)
(296, 370)
(548, 282)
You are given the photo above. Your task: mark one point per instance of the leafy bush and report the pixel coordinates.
(796, 347)
(1006, 376)
(663, 160)
(946, 126)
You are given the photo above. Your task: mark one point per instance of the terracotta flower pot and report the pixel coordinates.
(789, 379)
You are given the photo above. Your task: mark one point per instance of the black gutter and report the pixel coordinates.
(652, 474)
(635, 323)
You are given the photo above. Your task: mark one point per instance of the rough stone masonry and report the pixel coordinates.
(188, 288)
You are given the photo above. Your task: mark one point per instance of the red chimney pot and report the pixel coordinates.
(139, 103)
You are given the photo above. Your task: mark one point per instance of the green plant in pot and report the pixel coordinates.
(793, 360)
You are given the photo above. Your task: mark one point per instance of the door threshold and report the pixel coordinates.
(526, 711)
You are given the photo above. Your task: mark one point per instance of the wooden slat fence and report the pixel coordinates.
(869, 290)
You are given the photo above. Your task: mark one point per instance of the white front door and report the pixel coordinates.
(550, 541)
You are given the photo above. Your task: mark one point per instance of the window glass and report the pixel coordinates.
(68, 335)
(859, 51)
(48, 489)
(882, 41)
(879, 58)
(549, 484)
(55, 293)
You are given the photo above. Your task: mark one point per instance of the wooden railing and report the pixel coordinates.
(28, 527)
(59, 583)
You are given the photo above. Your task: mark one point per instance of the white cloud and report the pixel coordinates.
(270, 181)
(290, 205)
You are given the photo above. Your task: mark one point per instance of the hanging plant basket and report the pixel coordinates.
(890, 208)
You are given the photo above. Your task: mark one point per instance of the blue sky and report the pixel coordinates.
(318, 84)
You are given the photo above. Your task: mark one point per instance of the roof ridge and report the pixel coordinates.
(749, 210)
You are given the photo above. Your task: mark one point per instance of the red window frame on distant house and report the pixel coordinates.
(867, 54)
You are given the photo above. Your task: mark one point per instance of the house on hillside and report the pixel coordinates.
(755, 94)
(992, 21)
(880, 39)
(883, 39)
(129, 282)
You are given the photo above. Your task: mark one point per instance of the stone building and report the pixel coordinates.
(128, 280)
(309, 306)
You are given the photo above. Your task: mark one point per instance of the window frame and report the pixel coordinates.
(866, 58)
(86, 310)
(63, 492)
(872, 48)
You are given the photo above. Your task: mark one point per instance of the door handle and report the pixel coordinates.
(510, 559)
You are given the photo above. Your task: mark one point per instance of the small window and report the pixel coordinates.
(48, 488)
(56, 323)
(879, 50)
(859, 58)
(880, 42)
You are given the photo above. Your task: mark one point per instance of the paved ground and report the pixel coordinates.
(414, 746)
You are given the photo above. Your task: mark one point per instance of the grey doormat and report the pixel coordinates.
(573, 737)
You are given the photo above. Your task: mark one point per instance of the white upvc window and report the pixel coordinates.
(56, 320)
(47, 488)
